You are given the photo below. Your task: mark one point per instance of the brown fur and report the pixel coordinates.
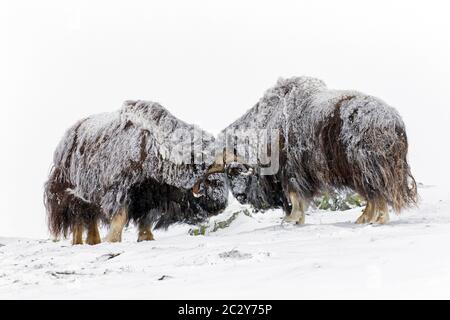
(340, 172)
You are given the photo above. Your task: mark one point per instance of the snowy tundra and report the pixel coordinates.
(254, 257)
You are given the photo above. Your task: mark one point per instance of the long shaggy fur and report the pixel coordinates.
(330, 139)
(126, 159)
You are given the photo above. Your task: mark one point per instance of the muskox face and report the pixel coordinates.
(213, 193)
(239, 177)
(236, 171)
(211, 185)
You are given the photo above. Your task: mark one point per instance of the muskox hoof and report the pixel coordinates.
(374, 214)
(145, 235)
(382, 218)
(362, 219)
(295, 219)
(93, 241)
(379, 219)
(142, 239)
(114, 238)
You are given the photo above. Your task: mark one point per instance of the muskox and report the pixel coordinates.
(327, 140)
(138, 164)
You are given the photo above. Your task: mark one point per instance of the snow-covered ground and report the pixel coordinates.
(255, 257)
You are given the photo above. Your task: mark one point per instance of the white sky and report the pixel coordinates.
(208, 62)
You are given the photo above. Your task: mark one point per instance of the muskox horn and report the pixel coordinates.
(222, 160)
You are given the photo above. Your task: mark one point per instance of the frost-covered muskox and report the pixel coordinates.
(137, 164)
(327, 139)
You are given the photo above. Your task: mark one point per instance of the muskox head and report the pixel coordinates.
(213, 194)
(238, 175)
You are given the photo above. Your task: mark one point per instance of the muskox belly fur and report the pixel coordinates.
(329, 139)
(139, 159)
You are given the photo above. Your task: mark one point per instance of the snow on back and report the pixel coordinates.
(279, 103)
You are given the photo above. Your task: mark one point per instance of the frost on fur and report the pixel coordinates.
(137, 157)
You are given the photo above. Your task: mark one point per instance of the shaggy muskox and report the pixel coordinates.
(137, 164)
(327, 139)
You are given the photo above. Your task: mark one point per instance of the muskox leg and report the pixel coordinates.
(117, 224)
(93, 237)
(145, 233)
(382, 214)
(77, 231)
(367, 214)
(298, 209)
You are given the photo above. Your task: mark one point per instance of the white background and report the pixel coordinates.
(207, 62)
